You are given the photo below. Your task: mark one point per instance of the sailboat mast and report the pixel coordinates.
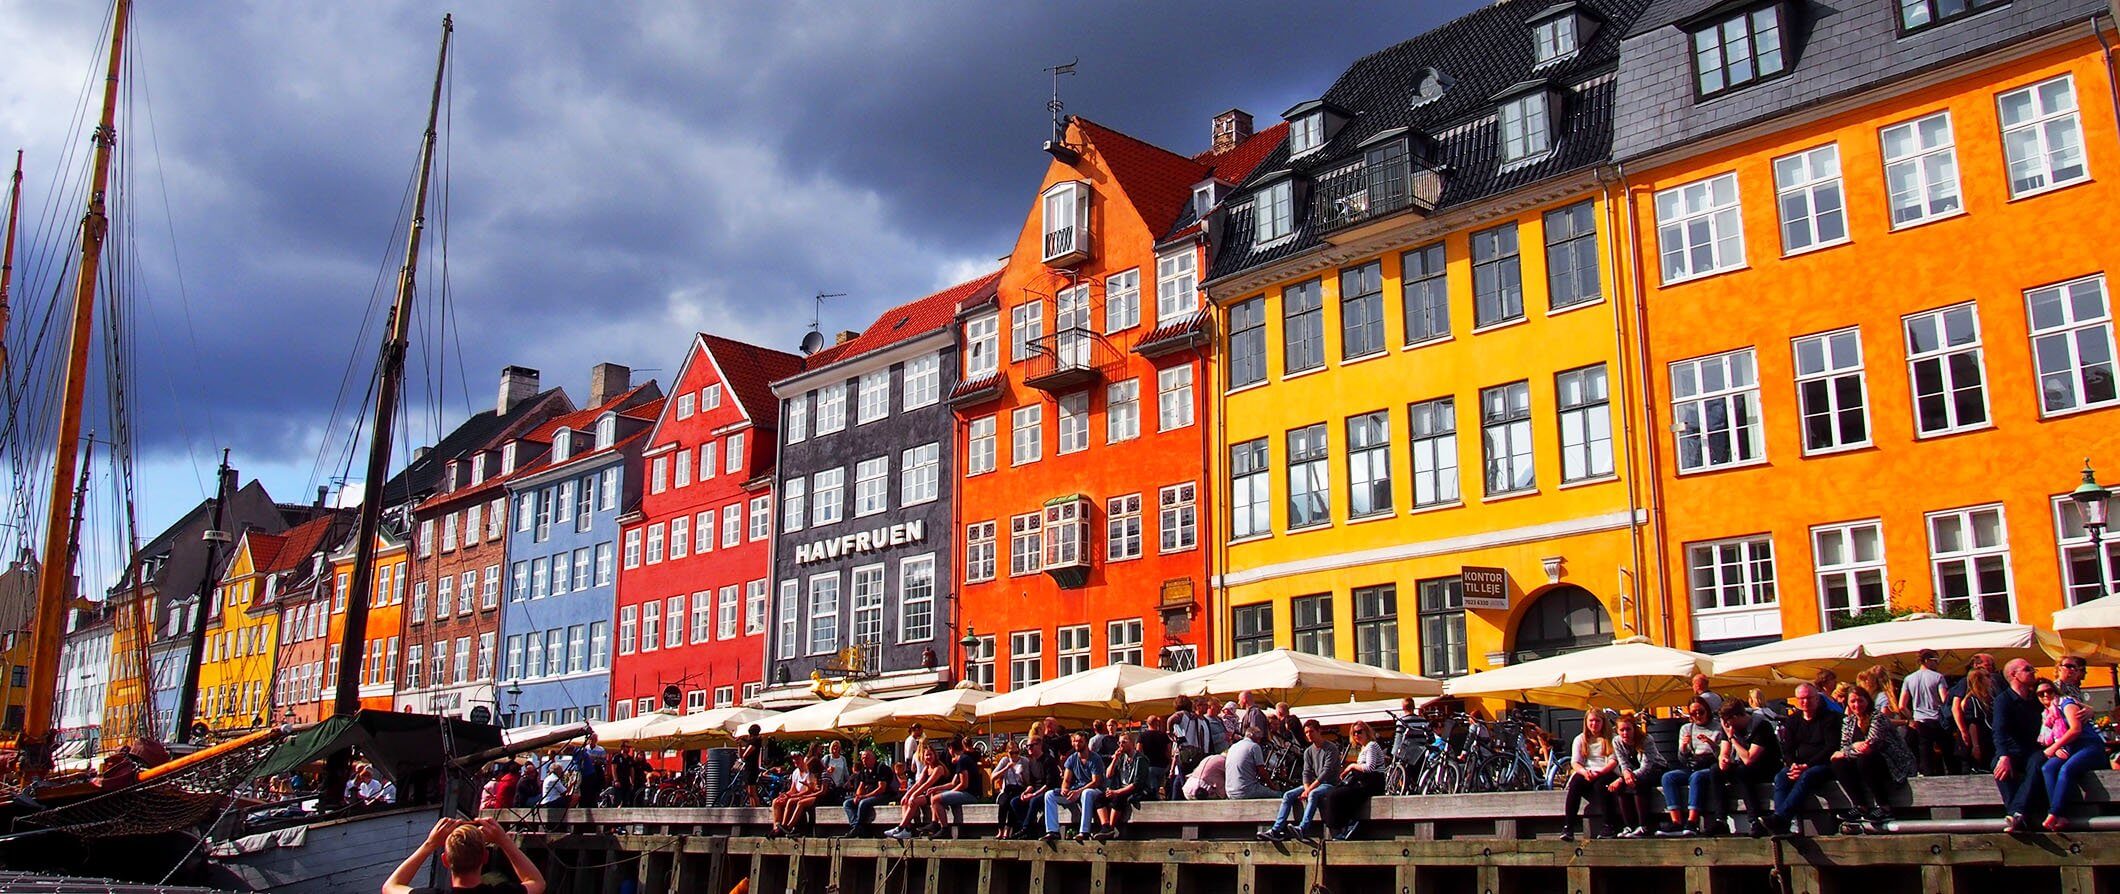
(55, 578)
(7, 252)
(346, 696)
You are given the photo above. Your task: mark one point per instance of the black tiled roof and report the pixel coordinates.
(1482, 54)
(422, 476)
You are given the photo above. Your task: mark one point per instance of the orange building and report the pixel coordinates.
(1080, 435)
(1873, 261)
(386, 601)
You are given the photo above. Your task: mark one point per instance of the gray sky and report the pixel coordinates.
(618, 175)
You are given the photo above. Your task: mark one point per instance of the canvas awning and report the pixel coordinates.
(955, 708)
(698, 730)
(1632, 673)
(1283, 675)
(1095, 694)
(1895, 644)
(820, 719)
(2091, 629)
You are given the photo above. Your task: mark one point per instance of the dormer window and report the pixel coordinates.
(508, 454)
(1915, 15)
(1527, 125)
(1554, 38)
(562, 445)
(478, 468)
(606, 432)
(1273, 212)
(1306, 133)
(1204, 198)
(1734, 50)
(453, 476)
(1066, 214)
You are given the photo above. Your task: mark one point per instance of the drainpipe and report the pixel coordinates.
(1648, 405)
(2112, 84)
(1619, 355)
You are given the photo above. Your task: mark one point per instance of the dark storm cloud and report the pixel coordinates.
(617, 174)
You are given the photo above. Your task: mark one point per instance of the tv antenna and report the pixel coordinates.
(813, 340)
(1055, 105)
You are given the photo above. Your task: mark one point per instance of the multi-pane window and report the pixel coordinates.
(923, 381)
(1571, 256)
(683, 463)
(1309, 487)
(978, 551)
(1122, 411)
(702, 618)
(831, 408)
(1302, 327)
(982, 353)
(872, 486)
(658, 478)
(1247, 342)
(1174, 397)
(1368, 464)
(732, 522)
(1808, 196)
(1431, 427)
(1497, 279)
(754, 607)
(1426, 292)
(1969, 550)
(603, 564)
(824, 613)
(1072, 644)
(979, 662)
(1066, 219)
(1249, 490)
(979, 446)
(794, 501)
(1700, 228)
(1553, 38)
(1306, 133)
(1715, 404)
(873, 400)
(1738, 50)
(540, 582)
(1584, 403)
(1251, 629)
(1362, 310)
(1177, 283)
(1122, 300)
(577, 655)
(1178, 521)
(868, 605)
(1921, 169)
(1311, 624)
(1122, 527)
(651, 625)
(1026, 434)
(1074, 422)
(827, 499)
(726, 608)
(1526, 126)
(1849, 561)
(1122, 642)
(1731, 574)
(599, 657)
(1376, 626)
(1026, 325)
(1918, 14)
(709, 460)
(680, 536)
(1273, 214)
(920, 474)
(1026, 658)
(2042, 136)
(916, 599)
(582, 580)
(2072, 344)
(789, 620)
(1441, 608)
(1025, 554)
(1946, 369)
(1505, 437)
(655, 545)
(1830, 392)
(798, 427)
(2082, 578)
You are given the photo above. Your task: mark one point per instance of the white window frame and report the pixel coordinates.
(1026, 553)
(794, 498)
(831, 408)
(1849, 572)
(872, 485)
(865, 623)
(1122, 528)
(1026, 325)
(873, 401)
(1747, 436)
(1122, 642)
(1754, 591)
(2028, 144)
(754, 607)
(1273, 213)
(798, 428)
(1704, 215)
(923, 381)
(1930, 162)
(1026, 434)
(1122, 411)
(827, 496)
(920, 475)
(1941, 355)
(982, 346)
(789, 621)
(1835, 368)
(1526, 127)
(1071, 650)
(1808, 182)
(761, 518)
(1553, 39)
(1074, 422)
(1178, 518)
(916, 598)
(1122, 300)
(1177, 283)
(821, 636)
(1968, 556)
(2070, 329)
(732, 525)
(1064, 205)
(1174, 397)
(980, 446)
(2072, 538)
(979, 552)
(1026, 658)
(1306, 133)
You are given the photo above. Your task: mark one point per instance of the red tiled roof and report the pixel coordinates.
(1237, 163)
(750, 372)
(902, 323)
(294, 545)
(264, 548)
(579, 420)
(1183, 327)
(1156, 180)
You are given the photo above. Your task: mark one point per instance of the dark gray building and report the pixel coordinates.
(863, 569)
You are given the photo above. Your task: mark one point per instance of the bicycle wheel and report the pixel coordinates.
(1557, 773)
(1395, 779)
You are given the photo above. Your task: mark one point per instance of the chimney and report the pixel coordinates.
(518, 383)
(844, 336)
(606, 381)
(322, 491)
(1231, 127)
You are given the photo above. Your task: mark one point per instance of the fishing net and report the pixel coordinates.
(167, 804)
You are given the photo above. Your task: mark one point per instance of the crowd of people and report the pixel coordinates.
(1770, 760)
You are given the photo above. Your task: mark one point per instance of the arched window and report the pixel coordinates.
(1564, 619)
(562, 444)
(606, 431)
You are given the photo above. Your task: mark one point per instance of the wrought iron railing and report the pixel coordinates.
(1071, 353)
(1384, 181)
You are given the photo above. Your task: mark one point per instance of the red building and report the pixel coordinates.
(1081, 432)
(693, 581)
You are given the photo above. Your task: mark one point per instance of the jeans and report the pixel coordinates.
(861, 810)
(1690, 790)
(2024, 790)
(1788, 793)
(1086, 809)
(1292, 797)
(950, 804)
(2060, 776)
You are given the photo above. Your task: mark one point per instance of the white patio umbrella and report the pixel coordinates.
(635, 729)
(948, 709)
(1095, 694)
(703, 728)
(1897, 644)
(820, 719)
(2091, 629)
(1382, 710)
(1283, 675)
(1631, 673)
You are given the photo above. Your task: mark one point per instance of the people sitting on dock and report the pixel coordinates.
(967, 784)
(1157, 754)
(927, 780)
(1813, 734)
(1593, 766)
(871, 786)
(1321, 770)
(1751, 754)
(1692, 788)
(1081, 786)
(463, 844)
(2073, 748)
(1640, 765)
(1008, 775)
(1041, 778)
(1359, 781)
(1873, 760)
(1973, 712)
(1244, 767)
(1207, 781)
(1126, 785)
(2018, 751)
(836, 771)
(792, 808)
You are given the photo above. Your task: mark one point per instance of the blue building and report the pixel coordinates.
(562, 557)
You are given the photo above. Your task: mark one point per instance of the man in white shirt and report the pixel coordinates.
(914, 738)
(1246, 765)
(1926, 698)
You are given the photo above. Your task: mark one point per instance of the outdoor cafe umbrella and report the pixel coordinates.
(635, 729)
(2091, 629)
(1896, 644)
(821, 719)
(947, 709)
(1095, 694)
(703, 728)
(1283, 675)
(1631, 673)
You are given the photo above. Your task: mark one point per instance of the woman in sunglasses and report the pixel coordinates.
(2073, 748)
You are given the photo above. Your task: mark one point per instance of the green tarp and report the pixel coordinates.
(396, 744)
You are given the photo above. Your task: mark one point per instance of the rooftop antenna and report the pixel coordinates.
(813, 340)
(1057, 146)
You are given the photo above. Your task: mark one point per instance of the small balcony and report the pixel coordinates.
(1367, 194)
(1067, 360)
(1067, 246)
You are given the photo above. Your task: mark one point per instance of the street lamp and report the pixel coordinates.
(968, 643)
(515, 698)
(2092, 499)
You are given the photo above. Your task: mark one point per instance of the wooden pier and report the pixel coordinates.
(1476, 844)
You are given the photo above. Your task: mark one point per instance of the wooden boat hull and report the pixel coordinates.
(351, 854)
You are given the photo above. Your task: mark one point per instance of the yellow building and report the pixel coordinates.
(1423, 410)
(237, 664)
